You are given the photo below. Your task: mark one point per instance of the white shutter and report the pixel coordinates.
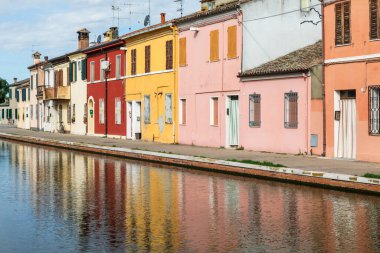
(168, 109)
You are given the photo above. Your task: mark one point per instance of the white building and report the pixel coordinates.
(275, 28)
(9, 109)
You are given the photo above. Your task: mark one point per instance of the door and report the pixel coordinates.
(233, 121)
(137, 119)
(129, 121)
(347, 129)
(90, 121)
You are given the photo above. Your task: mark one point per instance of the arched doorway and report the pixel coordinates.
(91, 115)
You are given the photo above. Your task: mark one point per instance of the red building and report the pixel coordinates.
(105, 87)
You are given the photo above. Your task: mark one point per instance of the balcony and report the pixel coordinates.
(57, 93)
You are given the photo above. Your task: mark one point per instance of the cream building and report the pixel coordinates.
(78, 63)
(9, 109)
(23, 99)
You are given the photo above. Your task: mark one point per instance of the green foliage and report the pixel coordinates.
(4, 89)
(369, 175)
(264, 163)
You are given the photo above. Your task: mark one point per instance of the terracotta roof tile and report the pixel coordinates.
(299, 60)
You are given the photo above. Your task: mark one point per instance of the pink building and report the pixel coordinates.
(208, 86)
(281, 104)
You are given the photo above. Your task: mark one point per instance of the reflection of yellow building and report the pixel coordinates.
(151, 83)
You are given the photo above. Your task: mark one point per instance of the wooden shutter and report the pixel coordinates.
(147, 59)
(61, 77)
(374, 18)
(183, 111)
(216, 113)
(338, 24)
(55, 78)
(214, 45)
(133, 62)
(169, 54)
(84, 69)
(182, 52)
(232, 42)
(347, 22)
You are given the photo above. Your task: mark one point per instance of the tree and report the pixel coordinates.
(4, 89)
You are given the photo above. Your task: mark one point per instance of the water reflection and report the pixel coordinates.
(67, 201)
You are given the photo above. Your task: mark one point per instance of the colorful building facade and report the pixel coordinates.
(209, 89)
(352, 64)
(105, 88)
(151, 83)
(23, 98)
(9, 109)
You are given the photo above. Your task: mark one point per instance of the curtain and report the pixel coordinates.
(234, 122)
(347, 129)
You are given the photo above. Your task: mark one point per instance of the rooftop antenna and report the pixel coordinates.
(180, 6)
(115, 8)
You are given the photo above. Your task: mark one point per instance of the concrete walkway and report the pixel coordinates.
(293, 161)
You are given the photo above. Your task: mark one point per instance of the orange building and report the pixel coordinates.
(352, 79)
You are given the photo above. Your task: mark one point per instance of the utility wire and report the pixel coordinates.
(280, 14)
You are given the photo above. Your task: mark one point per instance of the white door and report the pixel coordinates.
(347, 129)
(129, 121)
(233, 121)
(136, 116)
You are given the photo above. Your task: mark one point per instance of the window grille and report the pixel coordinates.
(374, 110)
(255, 110)
(291, 110)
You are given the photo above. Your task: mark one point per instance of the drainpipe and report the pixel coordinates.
(106, 100)
(323, 79)
(175, 76)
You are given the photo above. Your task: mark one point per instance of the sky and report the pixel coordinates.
(50, 26)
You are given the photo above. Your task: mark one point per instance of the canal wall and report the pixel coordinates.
(290, 175)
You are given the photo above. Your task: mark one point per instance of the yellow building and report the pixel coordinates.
(151, 83)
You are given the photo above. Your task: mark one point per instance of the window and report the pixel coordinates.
(146, 109)
(214, 45)
(101, 111)
(214, 111)
(374, 19)
(23, 95)
(73, 114)
(68, 114)
(92, 72)
(374, 110)
(10, 94)
(84, 69)
(117, 111)
(182, 52)
(342, 23)
(232, 42)
(147, 59)
(169, 54)
(37, 80)
(182, 111)
(255, 110)
(102, 72)
(118, 66)
(133, 62)
(31, 82)
(291, 110)
(31, 111)
(168, 109)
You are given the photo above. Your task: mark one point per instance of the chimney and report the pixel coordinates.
(83, 38)
(111, 34)
(15, 80)
(36, 57)
(46, 58)
(163, 18)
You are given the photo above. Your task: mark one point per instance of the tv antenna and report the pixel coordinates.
(116, 7)
(180, 6)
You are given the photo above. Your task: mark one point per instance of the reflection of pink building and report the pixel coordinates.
(210, 49)
(281, 104)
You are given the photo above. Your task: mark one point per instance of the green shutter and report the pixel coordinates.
(16, 113)
(10, 93)
(71, 72)
(2, 114)
(84, 69)
(10, 113)
(75, 72)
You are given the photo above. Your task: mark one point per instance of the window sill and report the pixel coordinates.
(169, 123)
(233, 58)
(212, 61)
(374, 40)
(343, 45)
(183, 66)
(214, 125)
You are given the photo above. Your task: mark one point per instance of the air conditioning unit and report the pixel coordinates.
(105, 65)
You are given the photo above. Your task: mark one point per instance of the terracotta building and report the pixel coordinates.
(352, 65)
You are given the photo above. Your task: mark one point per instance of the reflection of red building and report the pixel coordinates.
(105, 88)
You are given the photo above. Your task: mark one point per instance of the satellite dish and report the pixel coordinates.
(147, 20)
(99, 39)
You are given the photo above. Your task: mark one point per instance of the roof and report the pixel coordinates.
(297, 61)
(200, 14)
(147, 29)
(102, 45)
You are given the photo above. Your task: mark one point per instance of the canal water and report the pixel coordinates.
(57, 201)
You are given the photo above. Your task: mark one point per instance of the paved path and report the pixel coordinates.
(293, 161)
